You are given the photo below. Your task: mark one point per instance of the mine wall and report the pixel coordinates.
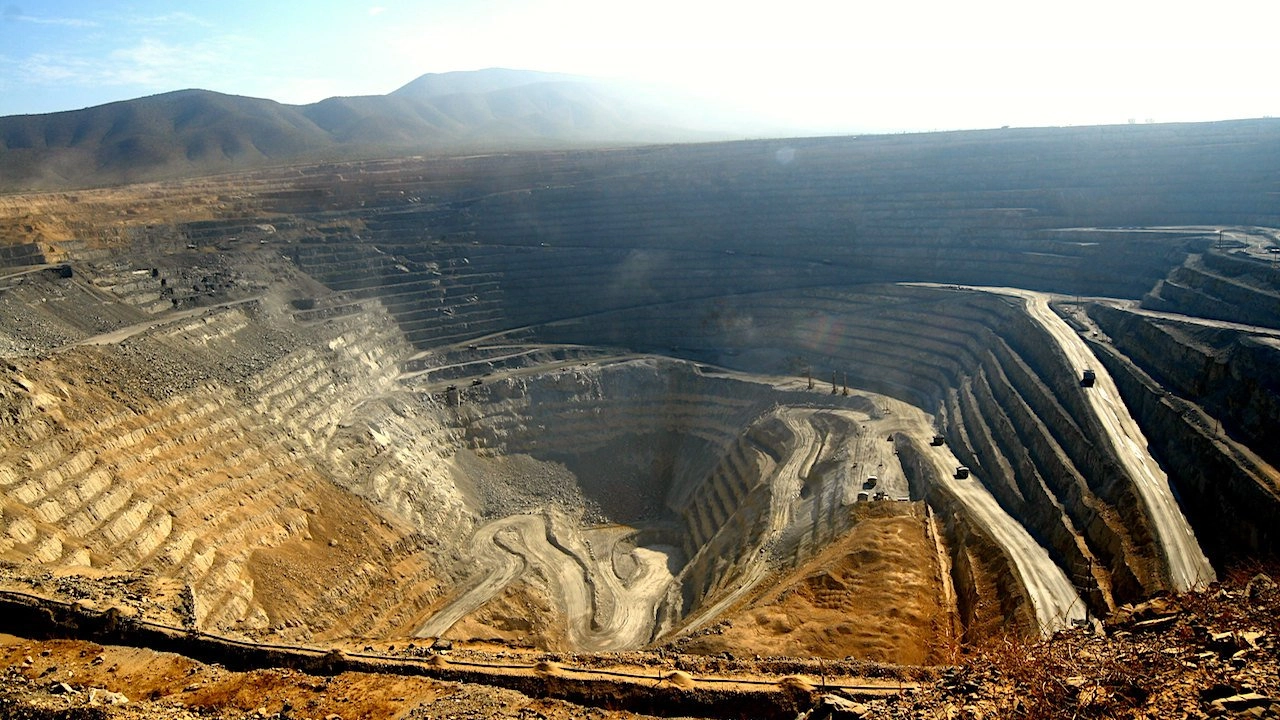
(635, 437)
(468, 247)
(991, 598)
(1228, 491)
(679, 251)
(196, 451)
(1220, 286)
(886, 217)
(652, 442)
(606, 231)
(435, 302)
(1040, 450)
(909, 343)
(739, 517)
(1233, 374)
(1042, 489)
(1099, 493)
(20, 255)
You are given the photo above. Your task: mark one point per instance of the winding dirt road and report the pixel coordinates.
(117, 336)
(1056, 602)
(1188, 567)
(604, 611)
(802, 451)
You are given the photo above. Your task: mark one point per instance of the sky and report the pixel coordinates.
(817, 65)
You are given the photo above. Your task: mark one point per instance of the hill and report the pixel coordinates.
(198, 132)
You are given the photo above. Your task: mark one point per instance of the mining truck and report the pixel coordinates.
(1088, 378)
(962, 472)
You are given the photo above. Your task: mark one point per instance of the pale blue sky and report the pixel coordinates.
(818, 64)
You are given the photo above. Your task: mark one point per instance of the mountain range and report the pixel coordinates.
(198, 132)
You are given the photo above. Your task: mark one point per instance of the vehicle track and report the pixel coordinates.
(1188, 567)
(1057, 603)
(604, 612)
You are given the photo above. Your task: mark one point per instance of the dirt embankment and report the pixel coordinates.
(1209, 654)
(586, 681)
(873, 593)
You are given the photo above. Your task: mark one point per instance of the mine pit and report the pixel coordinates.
(629, 494)
(620, 423)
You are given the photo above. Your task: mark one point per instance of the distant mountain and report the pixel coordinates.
(198, 132)
(480, 81)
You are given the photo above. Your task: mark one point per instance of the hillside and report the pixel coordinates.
(197, 132)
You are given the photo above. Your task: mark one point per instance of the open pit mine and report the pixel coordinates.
(854, 399)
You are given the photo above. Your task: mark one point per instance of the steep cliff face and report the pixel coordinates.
(1231, 372)
(1228, 484)
(1237, 285)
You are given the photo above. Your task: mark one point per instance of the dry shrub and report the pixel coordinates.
(680, 679)
(546, 667)
(1071, 675)
(796, 682)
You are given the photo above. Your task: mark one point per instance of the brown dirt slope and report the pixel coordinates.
(872, 594)
(171, 686)
(1209, 654)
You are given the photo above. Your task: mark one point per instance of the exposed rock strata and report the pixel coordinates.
(303, 395)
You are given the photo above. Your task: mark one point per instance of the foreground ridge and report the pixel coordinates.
(1206, 654)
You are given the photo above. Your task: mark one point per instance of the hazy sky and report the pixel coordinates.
(820, 64)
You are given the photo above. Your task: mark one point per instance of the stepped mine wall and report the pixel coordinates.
(195, 448)
(1056, 505)
(1193, 289)
(1234, 375)
(457, 248)
(878, 209)
(723, 254)
(631, 227)
(1229, 494)
(1250, 270)
(990, 596)
(987, 444)
(1170, 296)
(20, 254)
(1087, 443)
(907, 342)
(1069, 482)
(1076, 458)
(634, 435)
(738, 517)
(649, 442)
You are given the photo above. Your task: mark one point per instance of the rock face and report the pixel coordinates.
(560, 399)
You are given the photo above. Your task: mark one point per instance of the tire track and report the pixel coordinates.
(603, 611)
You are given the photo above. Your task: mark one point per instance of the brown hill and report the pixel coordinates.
(198, 132)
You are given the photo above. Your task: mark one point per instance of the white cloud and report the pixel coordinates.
(149, 65)
(44, 68)
(171, 19)
(14, 14)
